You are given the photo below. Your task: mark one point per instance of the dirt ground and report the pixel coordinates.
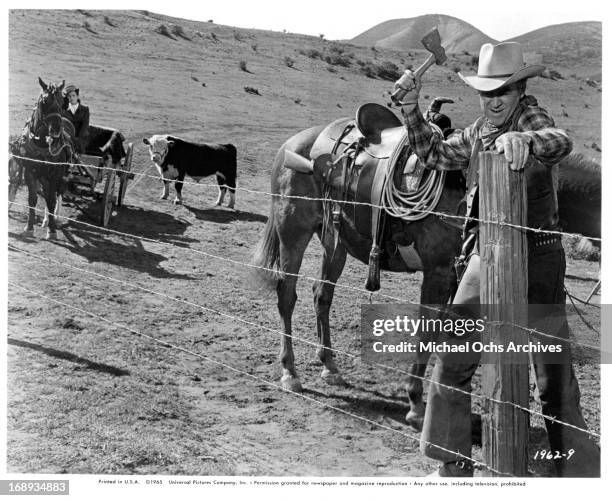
(147, 349)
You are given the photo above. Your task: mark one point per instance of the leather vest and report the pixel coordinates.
(542, 182)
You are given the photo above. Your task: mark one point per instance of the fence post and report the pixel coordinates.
(503, 294)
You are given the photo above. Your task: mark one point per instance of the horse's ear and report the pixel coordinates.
(146, 141)
(42, 84)
(61, 87)
(170, 143)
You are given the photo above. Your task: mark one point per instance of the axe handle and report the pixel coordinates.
(399, 93)
(425, 66)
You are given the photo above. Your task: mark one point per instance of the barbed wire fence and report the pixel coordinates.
(274, 331)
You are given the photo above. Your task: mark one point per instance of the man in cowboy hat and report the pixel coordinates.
(78, 114)
(512, 123)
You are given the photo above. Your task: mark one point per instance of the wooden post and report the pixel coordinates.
(503, 294)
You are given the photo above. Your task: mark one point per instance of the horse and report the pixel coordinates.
(295, 217)
(47, 141)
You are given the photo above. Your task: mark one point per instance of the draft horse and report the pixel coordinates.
(293, 222)
(47, 141)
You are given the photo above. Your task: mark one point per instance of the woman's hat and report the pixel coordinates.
(69, 88)
(499, 65)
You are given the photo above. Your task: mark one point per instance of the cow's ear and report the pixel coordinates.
(170, 144)
(146, 141)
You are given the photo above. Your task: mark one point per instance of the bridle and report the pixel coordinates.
(41, 119)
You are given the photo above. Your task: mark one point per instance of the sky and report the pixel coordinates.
(347, 18)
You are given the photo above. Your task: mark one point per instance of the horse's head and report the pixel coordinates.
(48, 111)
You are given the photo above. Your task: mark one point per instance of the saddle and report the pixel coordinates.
(365, 152)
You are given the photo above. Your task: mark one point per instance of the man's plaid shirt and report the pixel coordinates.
(549, 145)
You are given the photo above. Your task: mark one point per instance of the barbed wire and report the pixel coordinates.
(303, 340)
(442, 215)
(262, 380)
(531, 331)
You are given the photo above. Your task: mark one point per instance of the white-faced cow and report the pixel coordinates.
(175, 158)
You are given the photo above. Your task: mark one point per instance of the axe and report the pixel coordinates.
(431, 41)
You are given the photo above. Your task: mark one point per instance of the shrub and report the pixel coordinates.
(162, 30)
(388, 70)
(254, 47)
(243, 66)
(311, 53)
(213, 37)
(238, 36)
(251, 90)
(338, 60)
(84, 12)
(581, 248)
(289, 62)
(108, 21)
(331, 69)
(179, 32)
(368, 70)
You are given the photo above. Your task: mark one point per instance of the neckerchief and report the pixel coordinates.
(489, 132)
(73, 108)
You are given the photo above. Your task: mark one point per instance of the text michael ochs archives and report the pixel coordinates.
(399, 332)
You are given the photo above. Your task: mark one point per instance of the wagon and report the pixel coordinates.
(105, 161)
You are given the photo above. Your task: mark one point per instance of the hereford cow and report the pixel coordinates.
(175, 158)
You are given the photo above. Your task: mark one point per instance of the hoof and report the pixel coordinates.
(415, 420)
(177, 202)
(164, 197)
(291, 383)
(44, 224)
(332, 378)
(51, 235)
(230, 206)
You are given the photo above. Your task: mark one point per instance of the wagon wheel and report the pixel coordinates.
(108, 198)
(126, 175)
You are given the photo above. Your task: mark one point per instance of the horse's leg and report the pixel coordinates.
(32, 200)
(435, 291)
(291, 250)
(331, 269)
(51, 199)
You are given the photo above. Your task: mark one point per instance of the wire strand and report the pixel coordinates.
(260, 379)
(300, 339)
(346, 202)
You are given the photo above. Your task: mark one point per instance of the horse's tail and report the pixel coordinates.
(266, 257)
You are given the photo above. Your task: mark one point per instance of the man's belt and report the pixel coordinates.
(543, 240)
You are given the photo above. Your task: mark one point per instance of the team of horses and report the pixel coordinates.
(48, 140)
(297, 213)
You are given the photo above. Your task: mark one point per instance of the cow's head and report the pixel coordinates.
(158, 147)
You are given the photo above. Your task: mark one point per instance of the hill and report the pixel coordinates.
(189, 82)
(575, 45)
(406, 34)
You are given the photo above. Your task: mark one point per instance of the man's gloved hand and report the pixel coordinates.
(410, 84)
(515, 147)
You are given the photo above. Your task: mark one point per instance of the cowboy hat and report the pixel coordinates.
(69, 88)
(500, 64)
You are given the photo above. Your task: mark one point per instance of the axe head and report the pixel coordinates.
(431, 41)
